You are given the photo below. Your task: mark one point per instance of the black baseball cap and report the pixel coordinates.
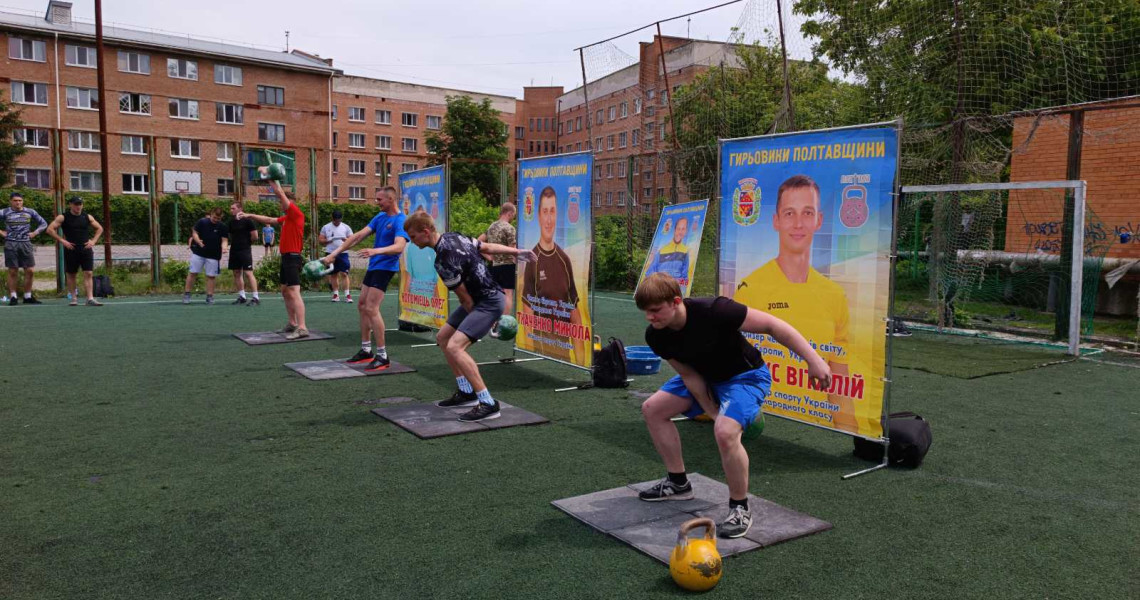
(337, 214)
(75, 200)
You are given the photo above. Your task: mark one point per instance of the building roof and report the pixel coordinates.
(167, 42)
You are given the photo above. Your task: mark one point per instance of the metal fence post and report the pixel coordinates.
(155, 225)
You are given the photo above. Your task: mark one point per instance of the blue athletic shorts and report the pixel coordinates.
(341, 263)
(740, 398)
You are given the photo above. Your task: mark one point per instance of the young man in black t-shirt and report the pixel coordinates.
(77, 243)
(243, 233)
(459, 263)
(207, 245)
(719, 373)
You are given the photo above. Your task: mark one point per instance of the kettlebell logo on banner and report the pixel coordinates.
(573, 209)
(528, 204)
(746, 202)
(435, 206)
(407, 205)
(853, 209)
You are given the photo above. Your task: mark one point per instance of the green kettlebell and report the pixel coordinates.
(754, 430)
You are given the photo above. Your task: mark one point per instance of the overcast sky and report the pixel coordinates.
(494, 46)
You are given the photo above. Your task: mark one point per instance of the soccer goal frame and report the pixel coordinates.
(1080, 190)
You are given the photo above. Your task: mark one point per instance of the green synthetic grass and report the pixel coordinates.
(145, 453)
(969, 357)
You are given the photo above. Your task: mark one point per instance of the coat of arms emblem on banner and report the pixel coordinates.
(528, 204)
(746, 202)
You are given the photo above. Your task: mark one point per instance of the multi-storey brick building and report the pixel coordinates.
(380, 128)
(629, 117)
(196, 101)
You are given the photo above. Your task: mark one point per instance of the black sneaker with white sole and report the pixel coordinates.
(667, 490)
(737, 523)
(361, 357)
(481, 412)
(239, 300)
(459, 399)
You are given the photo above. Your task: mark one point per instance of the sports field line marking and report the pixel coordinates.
(1039, 494)
(179, 301)
(1113, 363)
(616, 299)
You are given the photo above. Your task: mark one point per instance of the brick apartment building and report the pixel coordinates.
(193, 99)
(630, 119)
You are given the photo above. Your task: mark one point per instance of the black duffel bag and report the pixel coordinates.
(909, 441)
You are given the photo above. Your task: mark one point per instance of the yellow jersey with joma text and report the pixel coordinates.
(816, 308)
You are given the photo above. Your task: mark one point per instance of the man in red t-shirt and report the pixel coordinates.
(292, 231)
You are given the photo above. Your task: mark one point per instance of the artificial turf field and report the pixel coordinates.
(146, 453)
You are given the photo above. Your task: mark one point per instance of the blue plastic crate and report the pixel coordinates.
(640, 360)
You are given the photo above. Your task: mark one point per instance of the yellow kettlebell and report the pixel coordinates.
(695, 564)
(597, 343)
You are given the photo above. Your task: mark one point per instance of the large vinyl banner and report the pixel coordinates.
(423, 297)
(554, 291)
(806, 236)
(677, 243)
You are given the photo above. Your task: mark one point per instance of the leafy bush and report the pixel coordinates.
(471, 214)
(268, 273)
(174, 272)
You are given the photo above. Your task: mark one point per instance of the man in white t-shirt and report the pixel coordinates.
(332, 236)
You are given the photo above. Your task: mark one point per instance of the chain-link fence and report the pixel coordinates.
(1017, 91)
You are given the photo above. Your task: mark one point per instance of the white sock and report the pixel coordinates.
(256, 297)
(241, 294)
(381, 352)
(464, 385)
(26, 295)
(366, 346)
(13, 294)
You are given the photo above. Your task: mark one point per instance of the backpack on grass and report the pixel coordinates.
(909, 443)
(102, 287)
(609, 365)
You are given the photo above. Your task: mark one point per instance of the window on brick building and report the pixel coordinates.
(181, 108)
(134, 62)
(621, 169)
(637, 106)
(383, 117)
(613, 113)
(39, 179)
(621, 198)
(79, 56)
(84, 98)
(225, 152)
(25, 49)
(434, 122)
(407, 167)
(181, 68)
(356, 140)
(383, 142)
(270, 132)
(31, 137)
(227, 75)
(356, 192)
(409, 119)
(135, 183)
(409, 144)
(230, 113)
(623, 110)
(184, 148)
(621, 140)
(134, 104)
(356, 113)
(24, 92)
(520, 133)
(83, 141)
(355, 167)
(609, 170)
(86, 181)
(225, 187)
(267, 94)
(635, 137)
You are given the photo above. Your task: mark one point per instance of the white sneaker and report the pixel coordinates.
(348, 298)
(336, 298)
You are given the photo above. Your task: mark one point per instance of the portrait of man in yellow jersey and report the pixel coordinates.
(791, 289)
(548, 288)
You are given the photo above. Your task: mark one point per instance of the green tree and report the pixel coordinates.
(475, 140)
(747, 99)
(470, 213)
(932, 61)
(9, 149)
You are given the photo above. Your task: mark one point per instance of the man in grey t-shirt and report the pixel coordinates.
(18, 251)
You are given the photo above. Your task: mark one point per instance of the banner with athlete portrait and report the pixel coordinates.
(555, 219)
(677, 243)
(806, 227)
(423, 297)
